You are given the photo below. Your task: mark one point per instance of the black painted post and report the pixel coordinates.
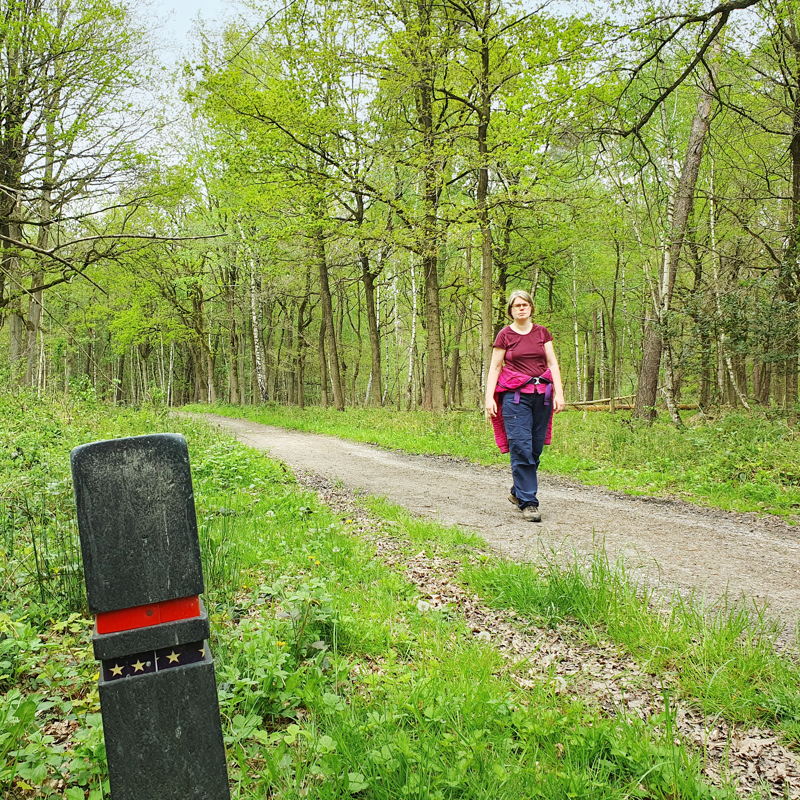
(141, 558)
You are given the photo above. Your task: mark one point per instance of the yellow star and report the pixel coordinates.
(116, 670)
(138, 666)
(173, 657)
(202, 652)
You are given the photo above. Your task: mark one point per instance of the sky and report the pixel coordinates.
(179, 17)
(181, 14)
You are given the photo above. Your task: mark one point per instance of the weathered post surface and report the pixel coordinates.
(141, 558)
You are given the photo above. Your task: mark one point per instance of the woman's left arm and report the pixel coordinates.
(558, 389)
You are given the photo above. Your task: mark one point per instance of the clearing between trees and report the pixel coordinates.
(669, 544)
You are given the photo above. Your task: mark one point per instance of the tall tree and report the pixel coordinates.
(67, 131)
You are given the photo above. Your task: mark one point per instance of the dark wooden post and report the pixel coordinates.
(141, 558)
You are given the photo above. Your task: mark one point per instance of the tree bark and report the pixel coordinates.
(303, 321)
(255, 327)
(484, 109)
(592, 359)
(434, 387)
(323, 367)
(789, 272)
(455, 362)
(235, 394)
(368, 279)
(254, 303)
(328, 321)
(653, 341)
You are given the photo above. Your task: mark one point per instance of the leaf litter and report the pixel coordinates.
(752, 758)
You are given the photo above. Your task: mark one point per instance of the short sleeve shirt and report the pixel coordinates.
(525, 352)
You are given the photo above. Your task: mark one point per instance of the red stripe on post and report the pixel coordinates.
(128, 619)
(182, 608)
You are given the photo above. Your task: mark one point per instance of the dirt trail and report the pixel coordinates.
(664, 542)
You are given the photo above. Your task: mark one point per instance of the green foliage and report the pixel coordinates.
(733, 461)
(331, 680)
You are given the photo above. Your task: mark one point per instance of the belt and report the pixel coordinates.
(548, 389)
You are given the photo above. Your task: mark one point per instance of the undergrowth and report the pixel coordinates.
(333, 682)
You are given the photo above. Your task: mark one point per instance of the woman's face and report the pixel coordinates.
(521, 310)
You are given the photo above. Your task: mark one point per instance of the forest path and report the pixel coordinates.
(667, 543)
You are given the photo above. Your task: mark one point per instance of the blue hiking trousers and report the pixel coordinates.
(526, 427)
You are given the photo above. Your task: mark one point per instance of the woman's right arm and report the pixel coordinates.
(498, 354)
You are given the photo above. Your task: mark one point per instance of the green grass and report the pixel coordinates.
(723, 660)
(734, 462)
(332, 682)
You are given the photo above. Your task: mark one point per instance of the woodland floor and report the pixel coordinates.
(666, 544)
(669, 544)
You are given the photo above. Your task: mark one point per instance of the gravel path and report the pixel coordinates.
(669, 544)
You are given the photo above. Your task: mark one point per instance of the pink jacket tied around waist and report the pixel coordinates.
(518, 382)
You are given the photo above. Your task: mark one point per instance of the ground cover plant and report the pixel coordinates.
(724, 658)
(733, 460)
(334, 679)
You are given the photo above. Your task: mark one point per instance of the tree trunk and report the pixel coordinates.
(412, 345)
(644, 407)
(255, 328)
(235, 394)
(455, 363)
(328, 321)
(303, 321)
(789, 273)
(323, 367)
(210, 369)
(200, 376)
(16, 334)
(481, 196)
(592, 359)
(368, 278)
(434, 388)
(669, 389)
(254, 303)
(170, 392)
(118, 389)
(575, 334)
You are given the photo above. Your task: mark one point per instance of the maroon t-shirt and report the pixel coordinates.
(525, 352)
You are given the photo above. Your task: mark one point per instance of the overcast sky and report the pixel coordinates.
(179, 16)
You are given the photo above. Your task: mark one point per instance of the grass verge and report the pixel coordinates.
(734, 461)
(723, 660)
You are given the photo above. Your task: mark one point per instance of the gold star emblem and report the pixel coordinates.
(202, 652)
(138, 666)
(116, 670)
(173, 657)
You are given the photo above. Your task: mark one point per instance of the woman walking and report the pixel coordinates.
(523, 389)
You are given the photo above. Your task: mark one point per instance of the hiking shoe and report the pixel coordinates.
(514, 500)
(531, 514)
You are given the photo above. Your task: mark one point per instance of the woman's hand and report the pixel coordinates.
(491, 408)
(558, 402)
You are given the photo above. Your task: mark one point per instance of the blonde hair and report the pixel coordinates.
(513, 296)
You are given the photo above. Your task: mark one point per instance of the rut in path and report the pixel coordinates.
(668, 544)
